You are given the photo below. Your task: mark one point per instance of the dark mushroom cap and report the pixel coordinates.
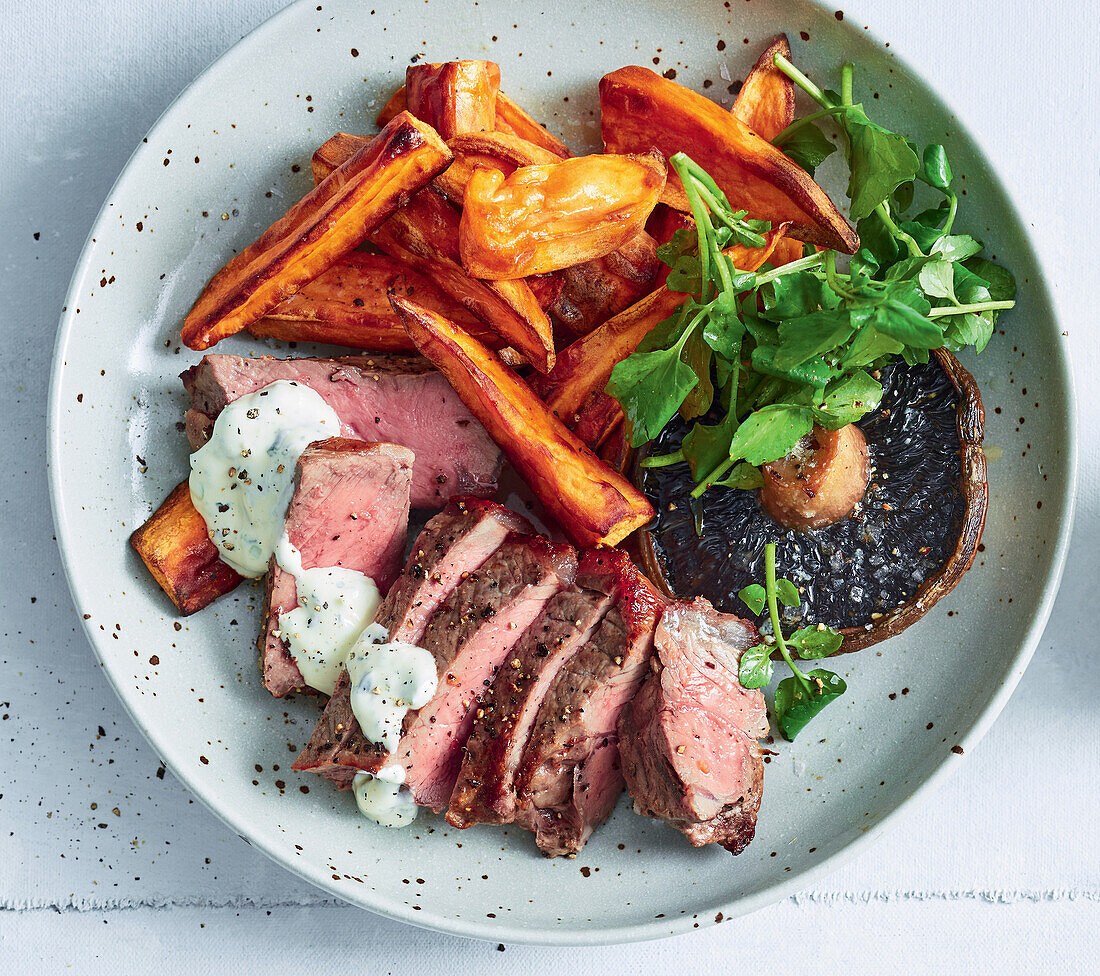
(870, 575)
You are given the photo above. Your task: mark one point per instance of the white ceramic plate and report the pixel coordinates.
(227, 158)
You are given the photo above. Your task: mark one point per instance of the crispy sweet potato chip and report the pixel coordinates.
(545, 218)
(334, 153)
(593, 292)
(641, 110)
(329, 222)
(424, 234)
(584, 367)
(455, 97)
(349, 305)
(592, 503)
(765, 102)
(175, 547)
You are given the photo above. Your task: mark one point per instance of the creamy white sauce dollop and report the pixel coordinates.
(380, 797)
(334, 605)
(388, 679)
(240, 478)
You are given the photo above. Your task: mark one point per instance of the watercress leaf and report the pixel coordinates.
(683, 242)
(743, 476)
(906, 268)
(909, 293)
(924, 236)
(937, 278)
(903, 196)
(650, 386)
(956, 247)
(813, 643)
(879, 161)
(723, 333)
(848, 399)
(876, 238)
(863, 264)
(755, 668)
(698, 355)
(809, 147)
(933, 217)
(707, 446)
(969, 287)
(867, 346)
(787, 593)
(907, 325)
(1002, 284)
(811, 335)
(797, 294)
(667, 331)
(935, 168)
(794, 706)
(814, 373)
(969, 329)
(771, 432)
(754, 597)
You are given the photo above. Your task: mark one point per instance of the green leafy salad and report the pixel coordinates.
(755, 359)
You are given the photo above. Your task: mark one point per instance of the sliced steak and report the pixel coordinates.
(689, 738)
(470, 637)
(570, 775)
(451, 546)
(349, 509)
(395, 398)
(505, 714)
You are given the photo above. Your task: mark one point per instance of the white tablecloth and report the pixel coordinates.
(108, 865)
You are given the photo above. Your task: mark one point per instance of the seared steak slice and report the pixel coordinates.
(452, 545)
(394, 398)
(689, 738)
(506, 713)
(350, 509)
(570, 777)
(470, 637)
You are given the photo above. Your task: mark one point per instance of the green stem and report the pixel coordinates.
(954, 204)
(913, 247)
(833, 278)
(847, 74)
(773, 612)
(714, 476)
(663, 460)
(938, 313)
(802, 81)
(802, 264)
(791, 129)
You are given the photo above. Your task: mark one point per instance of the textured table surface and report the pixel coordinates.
(108, 865)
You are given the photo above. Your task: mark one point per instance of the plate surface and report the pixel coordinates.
(226, 159)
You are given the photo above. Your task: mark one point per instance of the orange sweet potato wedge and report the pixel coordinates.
(545, 218)
(175, 547)
(329, 222)
(510, 118)
(592, 503)
(593, 292)
(501, 151)
(455, 97)
(765, 102)
(424, 234)
(641, 110)
(349, 305)
(584, 367)
(334, 153)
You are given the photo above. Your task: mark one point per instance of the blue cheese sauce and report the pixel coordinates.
(380, 797)
(334, 605)
(388, 679)
(240, 479)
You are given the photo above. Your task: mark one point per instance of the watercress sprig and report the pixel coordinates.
(754, 360)
(800, 697)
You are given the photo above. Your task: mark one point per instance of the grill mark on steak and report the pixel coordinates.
(689, 739)
(506, 713)
(349, 509)
(570, 774)
(395, 398)
(452, 545)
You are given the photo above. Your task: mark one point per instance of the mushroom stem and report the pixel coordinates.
(820, 481)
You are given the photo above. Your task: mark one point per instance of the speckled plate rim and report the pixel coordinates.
(498, 930)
